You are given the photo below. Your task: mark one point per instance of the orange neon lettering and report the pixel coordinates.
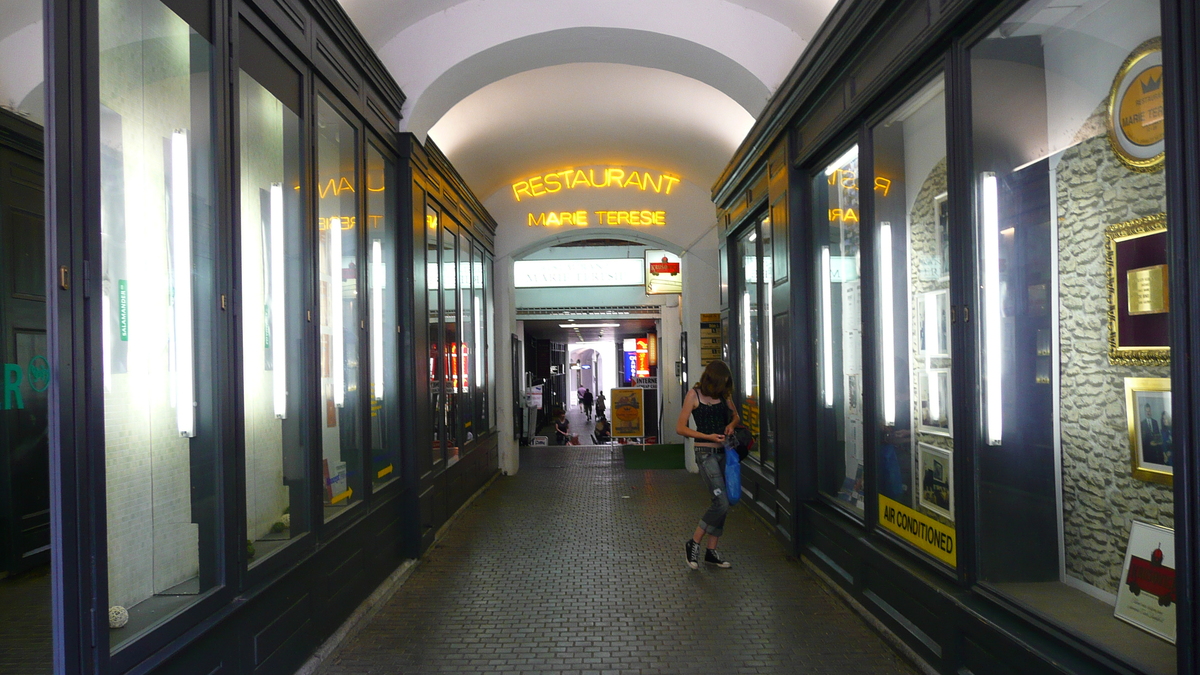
(539, 221)
(592, 179)
(600, 216)
(849, 180)
(623, 217)
(647, 218)
(851, 216)
(614, 177)
(332, 185)
(884, 184)
(671, 181)
(581, 176)
(647, 181)
(344, 185)
(374, 221)
(518, 188)
(552, 184)
(581, 218)
(660, 217)
(567, 217)
(634, 179)
(835, 215)
(552, 220)
(566, 177)
(535, 184)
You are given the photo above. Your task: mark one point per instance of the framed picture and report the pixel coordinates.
(1139, 299)
(934, 415)
(934, 323)
(941, 212)
(1148, 414)
(1146, 596)
(935, 467)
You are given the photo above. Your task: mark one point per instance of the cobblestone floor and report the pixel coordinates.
(575, 565)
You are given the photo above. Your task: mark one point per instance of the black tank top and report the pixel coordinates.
(710, 418)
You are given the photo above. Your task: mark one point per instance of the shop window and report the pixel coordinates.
(489, 334)
(1075, 503)
(159, 307)
(384, 288)
(450, 346)
(755, 328)
(467, 344)
(338, 229)
(915, 462)
(839, 301)
(434, 300)
(479, 321)
(273, 326)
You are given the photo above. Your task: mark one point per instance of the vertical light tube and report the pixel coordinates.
(181, 300)
(336, 320)
(886, 300)
(278, 305)
(993, 361)
(747, 363)
(378, 280)
(826, 327)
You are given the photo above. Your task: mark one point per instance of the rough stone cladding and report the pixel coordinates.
(1100, 496)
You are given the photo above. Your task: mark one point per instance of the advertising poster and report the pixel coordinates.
(628, 413)
(663, 273)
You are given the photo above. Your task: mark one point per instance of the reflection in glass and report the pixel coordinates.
(489, 333)
(481, 342)
(384, 336)
(158, 298)
(272, 321)
(467, 343)
(753, 323)
(434, 299)
(337, 225)
(910, 187)
(1058, 499)
(840, 442)
(450, 357)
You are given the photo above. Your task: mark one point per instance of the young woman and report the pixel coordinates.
(710, 403)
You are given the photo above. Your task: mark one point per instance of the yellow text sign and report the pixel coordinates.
(936, 539)
(610, 177)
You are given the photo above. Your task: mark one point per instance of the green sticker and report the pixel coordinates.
(123, 308)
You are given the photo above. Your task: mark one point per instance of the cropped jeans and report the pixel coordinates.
(712, 469)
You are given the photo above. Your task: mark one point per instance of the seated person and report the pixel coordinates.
(601, 434)
(562, 434)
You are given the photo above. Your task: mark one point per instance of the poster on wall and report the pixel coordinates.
(710, 338)
(936, 467)
(1151, 436)
(933, 399)
(1139, 301)
(628, 412)
(1146, 597)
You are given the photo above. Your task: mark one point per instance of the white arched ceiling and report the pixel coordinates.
(421, 41)
(20, 55)
(591, 113)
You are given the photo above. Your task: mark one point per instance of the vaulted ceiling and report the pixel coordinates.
(509, 88)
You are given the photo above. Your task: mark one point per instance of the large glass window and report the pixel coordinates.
(839, 293)
(489, 340)
(468, 343)
(479, 321)
(1075, 502)
(338, 229)
(159, 304)
(384, 323)
(272, 283)
(912, 228)
(434, 299)
(450, 359)
(756, 381)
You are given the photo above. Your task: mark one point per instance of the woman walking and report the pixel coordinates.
(710, 403)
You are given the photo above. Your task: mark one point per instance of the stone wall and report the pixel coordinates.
(1100, 496)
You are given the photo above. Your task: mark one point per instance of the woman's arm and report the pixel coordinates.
(681, 425)
(733, 422)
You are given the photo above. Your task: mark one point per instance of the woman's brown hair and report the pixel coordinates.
(716, 381)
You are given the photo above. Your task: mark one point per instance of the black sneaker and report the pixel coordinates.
(691, 554)
(713, 558)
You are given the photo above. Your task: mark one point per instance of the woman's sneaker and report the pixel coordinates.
(713, 558)
(691, 554)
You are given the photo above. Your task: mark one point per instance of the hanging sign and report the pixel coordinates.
(663, 273)
(710, 338)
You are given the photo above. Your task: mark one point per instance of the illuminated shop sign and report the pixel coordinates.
(582, 219)
(609, 177)
(848, 180)
(663, 273)
(565, 273)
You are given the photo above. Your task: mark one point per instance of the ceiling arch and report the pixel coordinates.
(586, 45)
(591, 113)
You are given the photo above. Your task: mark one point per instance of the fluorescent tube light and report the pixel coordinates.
(886, 301)
(589, 325)
(993, 336)
(181, 296)
(278, 305)
(847, 157)
(826, 328)
(336, 307)
(378, 282)
(747, 364)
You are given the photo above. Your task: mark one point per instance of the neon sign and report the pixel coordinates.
(614, 177)
(580, 218)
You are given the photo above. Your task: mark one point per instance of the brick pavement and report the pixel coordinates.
(575, 565)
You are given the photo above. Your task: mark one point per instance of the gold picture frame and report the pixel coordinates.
(1135, 95)
(1148, 416)
(1119, 353)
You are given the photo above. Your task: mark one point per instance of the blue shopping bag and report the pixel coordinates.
(733, 476)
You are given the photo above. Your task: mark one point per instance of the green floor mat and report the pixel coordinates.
(665, 456)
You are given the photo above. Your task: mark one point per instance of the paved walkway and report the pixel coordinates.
(575, 565)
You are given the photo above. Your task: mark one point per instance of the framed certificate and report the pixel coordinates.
(1139, 299)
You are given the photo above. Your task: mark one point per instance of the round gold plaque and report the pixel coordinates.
(1135, 109)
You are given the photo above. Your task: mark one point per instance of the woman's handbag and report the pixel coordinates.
(733, 475)
(743, 441)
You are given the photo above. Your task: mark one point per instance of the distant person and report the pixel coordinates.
(600, 406)
(601, 436)
(579, 394)
(562, 428)
(587, 403)
(710, 403)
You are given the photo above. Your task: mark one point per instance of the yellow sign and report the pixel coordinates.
(580, 218)
(927, 534)
(1135, 108)
(627, 413)
(1148, 291)
(570, 179)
